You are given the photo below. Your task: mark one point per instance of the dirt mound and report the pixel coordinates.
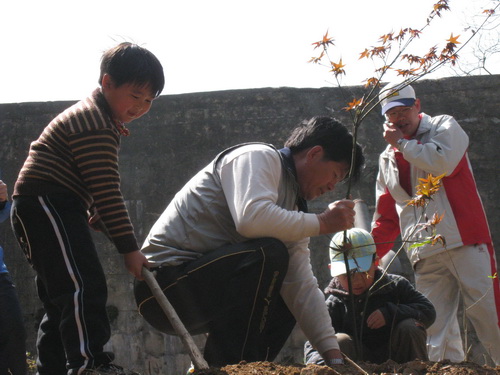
(387, 368)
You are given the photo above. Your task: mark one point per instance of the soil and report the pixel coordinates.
(387, 368)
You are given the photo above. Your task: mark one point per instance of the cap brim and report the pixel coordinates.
(398, 103)
(361, 264)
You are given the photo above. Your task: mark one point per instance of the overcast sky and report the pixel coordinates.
(51, 48)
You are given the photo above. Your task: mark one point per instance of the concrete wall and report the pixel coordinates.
(184, 132)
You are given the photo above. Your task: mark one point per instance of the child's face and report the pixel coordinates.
(128, 102)
(361, 281)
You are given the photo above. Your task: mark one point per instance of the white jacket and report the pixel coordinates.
(439, 146)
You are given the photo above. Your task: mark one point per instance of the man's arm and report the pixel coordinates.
(307, 303)
(443, 151)
(251, 184)
(385, 222)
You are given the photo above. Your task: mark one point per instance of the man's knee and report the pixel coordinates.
(274, 250)
(347, 345)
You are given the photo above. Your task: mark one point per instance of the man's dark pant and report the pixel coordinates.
(233, 293)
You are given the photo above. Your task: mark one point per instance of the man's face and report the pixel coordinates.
(404, 118)
(316, 175)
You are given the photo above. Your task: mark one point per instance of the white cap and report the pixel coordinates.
(395, 95)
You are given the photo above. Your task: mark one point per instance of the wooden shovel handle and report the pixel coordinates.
(195, 354)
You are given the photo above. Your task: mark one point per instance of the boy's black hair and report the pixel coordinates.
(330, 134)
(130, 63)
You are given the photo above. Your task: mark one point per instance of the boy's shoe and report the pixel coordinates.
(109, 369)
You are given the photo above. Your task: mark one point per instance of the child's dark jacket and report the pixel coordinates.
(393, 295)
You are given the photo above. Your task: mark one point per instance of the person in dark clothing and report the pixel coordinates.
(12, 331)
(384, 310)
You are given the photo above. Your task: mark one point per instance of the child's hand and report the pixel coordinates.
(134, 262)
(375, 320)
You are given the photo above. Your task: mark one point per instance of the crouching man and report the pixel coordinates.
(231, 249)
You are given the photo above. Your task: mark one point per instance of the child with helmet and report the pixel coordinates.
(387, 314)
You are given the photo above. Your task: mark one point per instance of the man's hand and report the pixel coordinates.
(333, 357)
(134, 262)
(337, 217)
(392, 134)
(3, 192)
(376, 320)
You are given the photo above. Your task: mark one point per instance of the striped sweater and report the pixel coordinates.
(78, 153)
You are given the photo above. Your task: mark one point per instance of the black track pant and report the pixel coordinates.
(233, 293)
(54, 234)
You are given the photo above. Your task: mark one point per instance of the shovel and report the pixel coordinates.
(196, 357)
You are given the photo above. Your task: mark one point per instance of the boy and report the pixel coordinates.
(70, 180)
(396, 314)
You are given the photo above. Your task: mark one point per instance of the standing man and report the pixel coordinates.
(231, 249)
(418, 145)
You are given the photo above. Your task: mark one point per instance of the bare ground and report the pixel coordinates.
(387, 368)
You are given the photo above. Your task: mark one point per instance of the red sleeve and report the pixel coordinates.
(385, 228)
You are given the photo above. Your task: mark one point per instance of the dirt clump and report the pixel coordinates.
(386, 368)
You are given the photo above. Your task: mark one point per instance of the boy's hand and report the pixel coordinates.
(134, 262)
(375, 320)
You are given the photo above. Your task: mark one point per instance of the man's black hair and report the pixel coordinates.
(329, 133)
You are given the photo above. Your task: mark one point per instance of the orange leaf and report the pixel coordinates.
(438, 238)
(324, 42)
(385, 38)
(453, 39)
(436, 219)
(365, 53)
(426, 188)
(372, 82)
(356, 103)
(379, 51)
(407, 72)
(337, 68)
(414, 33)
(317, 59)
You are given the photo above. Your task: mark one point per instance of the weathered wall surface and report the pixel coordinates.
(184, 132)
